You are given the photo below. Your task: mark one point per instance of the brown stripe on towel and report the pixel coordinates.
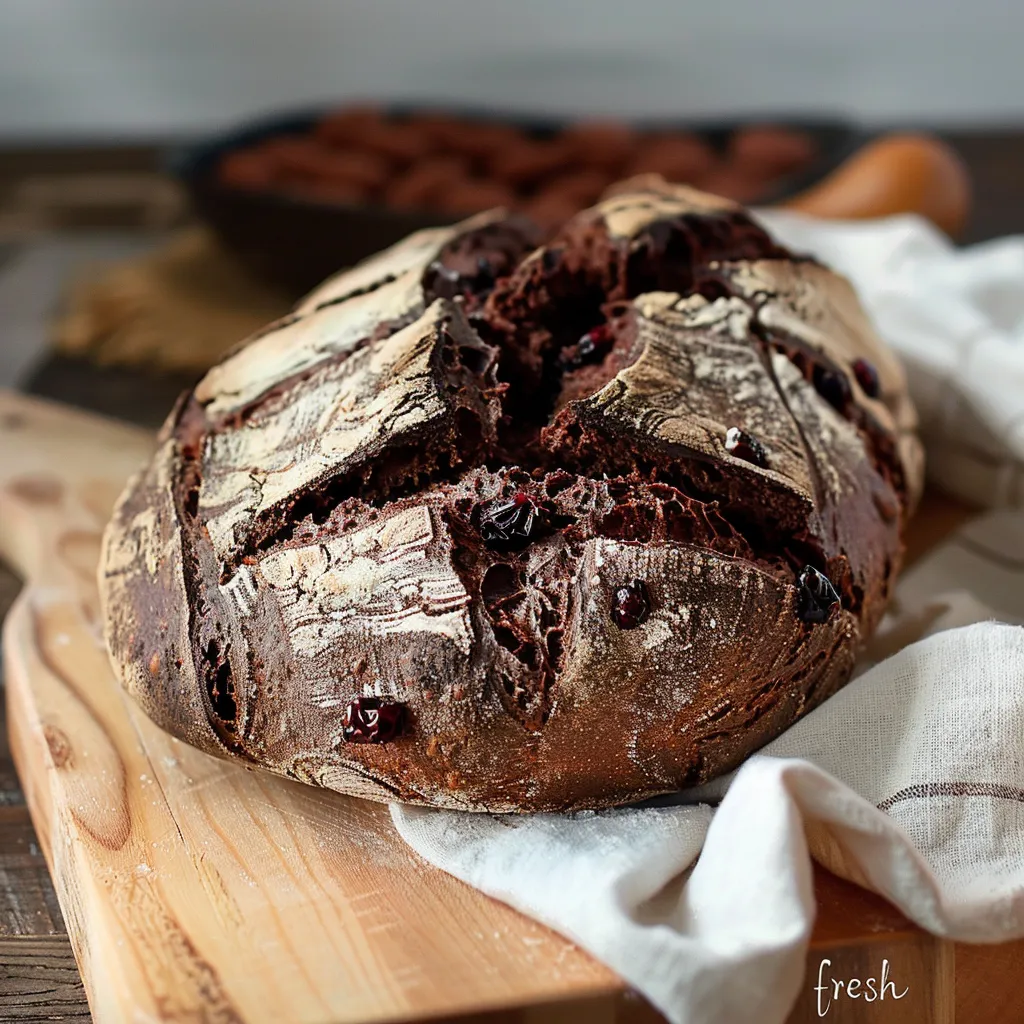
(932, 789)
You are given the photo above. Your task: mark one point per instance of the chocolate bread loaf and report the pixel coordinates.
(497, 526)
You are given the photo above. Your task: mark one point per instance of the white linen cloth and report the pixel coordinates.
(909, 781)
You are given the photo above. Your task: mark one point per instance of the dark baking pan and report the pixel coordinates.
(297, 242)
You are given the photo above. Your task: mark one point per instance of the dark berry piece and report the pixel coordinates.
(631, 605)
(372, 720)
(660, 234)
(745, 446)
(591, 346)
(550, 258)
(510, 522)
(449, 283)
(867, 378)
(833, 386)
(816, 596)
(444, 282)
(597, 338)
(485, 276)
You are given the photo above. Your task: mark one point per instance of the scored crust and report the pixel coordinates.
(315, 527)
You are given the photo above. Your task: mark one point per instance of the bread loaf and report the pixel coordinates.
(505, 527)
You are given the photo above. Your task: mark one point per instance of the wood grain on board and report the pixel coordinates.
(39, 980)
(194, 889)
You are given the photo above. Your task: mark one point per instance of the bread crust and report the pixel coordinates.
(313, 528)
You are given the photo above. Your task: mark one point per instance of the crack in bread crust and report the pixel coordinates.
(311, 529)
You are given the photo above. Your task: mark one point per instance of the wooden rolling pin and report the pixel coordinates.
(894, 174)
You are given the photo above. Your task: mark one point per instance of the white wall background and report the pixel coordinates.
(149, 67)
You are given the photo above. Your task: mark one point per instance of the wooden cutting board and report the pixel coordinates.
(196, 890)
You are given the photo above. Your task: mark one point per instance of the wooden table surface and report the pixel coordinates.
(38, 976)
